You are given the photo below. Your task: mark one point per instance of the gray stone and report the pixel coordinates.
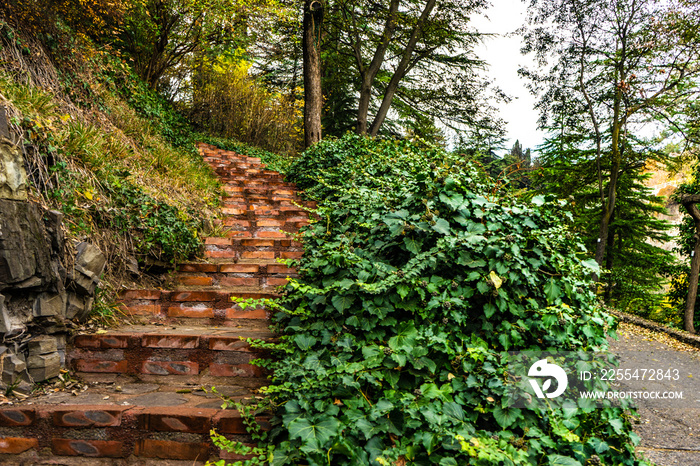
(13, 178)
(6, 325)
(84, 282)
(12, 368)
(90, 259)
(75, 306)
(42, 345)
(44, 366)
(47, 305)
(25, 248)
(4, 129)
(53, 219)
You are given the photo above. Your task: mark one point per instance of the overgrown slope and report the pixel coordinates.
(110, 154)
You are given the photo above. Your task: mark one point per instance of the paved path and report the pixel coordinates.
(670, 430)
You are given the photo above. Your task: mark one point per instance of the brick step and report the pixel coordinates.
(151, 428)
(201, 305)
(190, 351)
(234, 274)
(236, 255)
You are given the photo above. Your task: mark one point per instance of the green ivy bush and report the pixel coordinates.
(417, 278)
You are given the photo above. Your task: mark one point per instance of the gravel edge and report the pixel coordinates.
(681, 335)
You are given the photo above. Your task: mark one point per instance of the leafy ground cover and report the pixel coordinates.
(418, 277)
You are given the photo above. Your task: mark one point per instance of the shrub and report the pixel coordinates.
(417, 279)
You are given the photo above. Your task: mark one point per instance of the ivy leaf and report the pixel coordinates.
(342, 302)
(304, 342)
(442, 226)
(454, 200)
(313, 436)
(412, 244)
(405, 336)
(558, 460)
(453, 411)
(552, 291)
(497, 282)
(506, 416)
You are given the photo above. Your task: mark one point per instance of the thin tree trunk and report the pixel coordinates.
(401, 69)
(313, 96)
(690, 201)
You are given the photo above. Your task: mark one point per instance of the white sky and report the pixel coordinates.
(504, 59)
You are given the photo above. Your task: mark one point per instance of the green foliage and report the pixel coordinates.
(417, 278)
(157, 229)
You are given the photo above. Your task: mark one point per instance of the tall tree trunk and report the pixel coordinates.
(313, 96)
(690, 201)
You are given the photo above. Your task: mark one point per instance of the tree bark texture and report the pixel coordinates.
(313, 95)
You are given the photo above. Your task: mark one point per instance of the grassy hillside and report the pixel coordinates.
(109, 153)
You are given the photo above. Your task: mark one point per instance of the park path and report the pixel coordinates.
(670, 430)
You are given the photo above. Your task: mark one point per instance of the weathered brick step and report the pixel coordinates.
(237, 255)
(153, 350)
(237, 274)
(203, 305)
(130, 434)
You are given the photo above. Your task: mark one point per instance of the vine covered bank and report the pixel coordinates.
(418, 277)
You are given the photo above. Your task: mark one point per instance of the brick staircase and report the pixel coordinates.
(149, 399)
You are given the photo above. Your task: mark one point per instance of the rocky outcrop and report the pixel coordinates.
(37, 291)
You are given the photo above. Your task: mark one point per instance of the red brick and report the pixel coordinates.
(170, 341)
(217, 240)
(269, 222)
(15, 445)
(191, 296)
(238, 223)
(85, 365)
(285, 243)
(150, 295)
(259, 243)
(235, 370)
(284, 191)
(167, 449)
(198, 268)
(291, 254)
(280, 268)
(170, 367)
(240, 281)
(272, 281)
(231, 211)
(89, 448)
(101, 341)
(86, 417)
(239, 234)
(258, 255)
(196, 281)
(171, 422)
(15, 417)
(140, 309)
(191, 312)
(221, 254)
(238, 313)
(230, 422)
(240, 268)
(228, 344)
(270, 234)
